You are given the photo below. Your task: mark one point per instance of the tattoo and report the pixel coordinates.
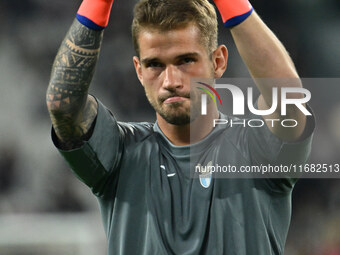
(72, 111)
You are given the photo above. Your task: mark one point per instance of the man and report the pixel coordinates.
(140, 171)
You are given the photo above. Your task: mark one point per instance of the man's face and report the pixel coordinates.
(167, 62)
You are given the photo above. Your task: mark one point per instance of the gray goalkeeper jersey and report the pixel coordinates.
(150, 204)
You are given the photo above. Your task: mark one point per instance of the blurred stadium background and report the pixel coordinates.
(45, 210)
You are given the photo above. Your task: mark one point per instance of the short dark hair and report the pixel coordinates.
(165, 15)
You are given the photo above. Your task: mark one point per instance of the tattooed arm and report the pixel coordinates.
(71, 109)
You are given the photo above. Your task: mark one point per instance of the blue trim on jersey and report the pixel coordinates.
(88, 23)
(238, 19)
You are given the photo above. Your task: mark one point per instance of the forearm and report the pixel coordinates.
(270, 66)
(67, 96)
(262, 52)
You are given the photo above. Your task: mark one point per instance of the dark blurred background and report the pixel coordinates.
(44, 209)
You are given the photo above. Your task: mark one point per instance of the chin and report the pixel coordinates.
(179, 118)
(177, 113)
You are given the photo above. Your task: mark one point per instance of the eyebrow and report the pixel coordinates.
(186, 55)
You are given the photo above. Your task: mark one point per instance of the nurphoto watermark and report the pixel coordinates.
(250, 128)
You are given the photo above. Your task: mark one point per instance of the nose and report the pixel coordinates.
(172, 78)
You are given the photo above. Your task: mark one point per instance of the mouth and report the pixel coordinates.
(175, 99)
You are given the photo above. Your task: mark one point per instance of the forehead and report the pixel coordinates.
(172, 42)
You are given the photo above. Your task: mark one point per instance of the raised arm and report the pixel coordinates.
(260, 49)
(71, 109)
(266, 59)
(271, 66)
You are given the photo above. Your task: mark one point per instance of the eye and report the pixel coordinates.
(154, 64)
(187, 60)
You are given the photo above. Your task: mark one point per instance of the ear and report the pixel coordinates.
(220, 59)
(138, 69)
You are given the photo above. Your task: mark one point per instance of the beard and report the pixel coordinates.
(176, 113)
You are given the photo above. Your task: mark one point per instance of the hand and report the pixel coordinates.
(233, 12)
(95, 14)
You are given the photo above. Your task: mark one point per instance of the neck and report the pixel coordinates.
(189, 133)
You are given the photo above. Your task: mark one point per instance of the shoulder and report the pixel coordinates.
(138, 130)
(108, 120)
